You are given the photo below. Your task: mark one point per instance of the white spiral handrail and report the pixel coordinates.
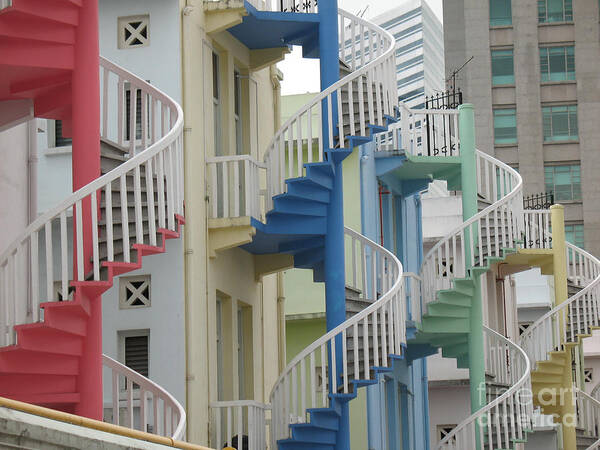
(498, 226)
(376, 274)
(154, 142)
(505, 418)
(588, 416)
(369, 52)
(157, 407)
(572, 318)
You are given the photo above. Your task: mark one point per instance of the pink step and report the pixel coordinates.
(40, 337)
(33, 28)
(20, 361)
(15, 385)
(60, 11)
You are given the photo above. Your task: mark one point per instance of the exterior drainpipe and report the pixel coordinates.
(32, 179)
(32, 168)
(195, 237)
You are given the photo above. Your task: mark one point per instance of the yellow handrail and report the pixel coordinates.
(96, 424)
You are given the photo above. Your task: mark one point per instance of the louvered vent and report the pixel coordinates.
(59, 139)
(136, 354)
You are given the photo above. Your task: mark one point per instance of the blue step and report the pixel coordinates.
(292, 444)
(321, 430)
(297, 205)
(308, 432)
(309, 258)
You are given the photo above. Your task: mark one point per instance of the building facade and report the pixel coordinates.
(532, 80)
(419, 50)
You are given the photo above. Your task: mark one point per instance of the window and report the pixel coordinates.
(500, 13)
(588, 375)
(59, 139)
(134, 292)
(560, 123)
(134, 31)
(557, 63)
(216, 104)
(564, 181)
(555, 10)
(574, 234)
(503, 71)
(505, 126)
(237, 92)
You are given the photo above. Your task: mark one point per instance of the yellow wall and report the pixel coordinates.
(231, 273)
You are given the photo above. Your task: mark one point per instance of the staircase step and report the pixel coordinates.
(24, 26)
(294, 205)
(59, 11)
(305, 190)
(292, 444)
(46, 55)
(18, 361)
(52, 400)
(28, 386)
(324, 417)
(43, 338)
(308, 432)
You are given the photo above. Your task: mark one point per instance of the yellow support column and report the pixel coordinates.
(560, 296)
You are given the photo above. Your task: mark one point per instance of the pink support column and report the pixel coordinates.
(86, 168)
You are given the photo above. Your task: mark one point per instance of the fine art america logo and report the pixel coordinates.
(526, 399)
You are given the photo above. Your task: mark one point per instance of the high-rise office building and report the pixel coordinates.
(534, 82)
(419, 50)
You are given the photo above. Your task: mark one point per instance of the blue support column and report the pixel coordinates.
(329, 58)
(335, 282)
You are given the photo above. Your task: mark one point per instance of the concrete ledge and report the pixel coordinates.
(26, 431)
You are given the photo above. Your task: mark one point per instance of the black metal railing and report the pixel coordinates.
(543, 200)
(440, 141)
(450, 99)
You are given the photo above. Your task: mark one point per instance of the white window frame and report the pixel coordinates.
(121, 336)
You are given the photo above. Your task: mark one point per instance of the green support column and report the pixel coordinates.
(466, 122)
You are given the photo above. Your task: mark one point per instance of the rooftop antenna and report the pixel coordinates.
(362, 13)
(455, 72)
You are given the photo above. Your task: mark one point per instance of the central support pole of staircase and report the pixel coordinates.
(559, 253)
(466, 120)
(335, 275)
(86, 168)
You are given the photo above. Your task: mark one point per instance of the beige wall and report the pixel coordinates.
(231, 273)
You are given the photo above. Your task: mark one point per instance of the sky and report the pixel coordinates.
(302, 75)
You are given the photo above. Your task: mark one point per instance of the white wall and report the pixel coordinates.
(533, 288)
(13, 184)
(448, 405)
(164, 318)
(160, 62)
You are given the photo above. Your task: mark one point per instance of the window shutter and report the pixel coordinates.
(136, 354)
